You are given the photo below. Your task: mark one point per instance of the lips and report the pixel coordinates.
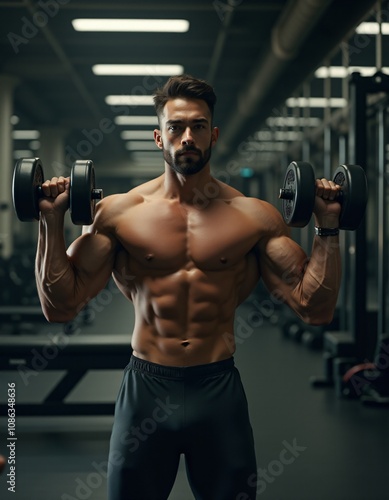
(189, 152)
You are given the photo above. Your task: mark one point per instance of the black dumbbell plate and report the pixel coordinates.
(298, 194)
(352, 178)
(26, 185)
(82, 182)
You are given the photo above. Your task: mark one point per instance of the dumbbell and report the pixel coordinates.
(27, 190)
(298, 194)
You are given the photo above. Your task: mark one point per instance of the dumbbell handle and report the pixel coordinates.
(286, 194)
(289, 194)
(96, 193)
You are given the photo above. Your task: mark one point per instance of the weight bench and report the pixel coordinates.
(75, 355)
(15, 319)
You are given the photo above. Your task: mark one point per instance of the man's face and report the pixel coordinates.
(186, 136)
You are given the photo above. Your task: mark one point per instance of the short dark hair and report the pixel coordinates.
(184, 86)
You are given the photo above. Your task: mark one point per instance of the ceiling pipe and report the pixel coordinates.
(219, 46)
(296, 22)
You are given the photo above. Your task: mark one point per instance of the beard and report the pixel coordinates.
(187, 165)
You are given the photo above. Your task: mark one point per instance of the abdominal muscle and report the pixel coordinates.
(185, 318)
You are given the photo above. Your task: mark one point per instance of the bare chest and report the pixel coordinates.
(165, 235)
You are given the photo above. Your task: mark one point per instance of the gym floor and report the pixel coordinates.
(336, 449)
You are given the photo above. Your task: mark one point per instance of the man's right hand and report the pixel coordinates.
(56, 196)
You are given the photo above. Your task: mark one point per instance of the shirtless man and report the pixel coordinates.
(186, 268)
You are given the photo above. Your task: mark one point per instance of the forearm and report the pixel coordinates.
(55, 276)
(319, 286)
(322, 274)
(308, 285)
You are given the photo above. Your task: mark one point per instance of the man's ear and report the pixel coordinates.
(158, 138)
(215, 135)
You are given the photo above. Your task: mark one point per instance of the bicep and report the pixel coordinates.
(282, 265)
(92, 257)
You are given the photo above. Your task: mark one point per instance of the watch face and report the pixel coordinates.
(326, 231)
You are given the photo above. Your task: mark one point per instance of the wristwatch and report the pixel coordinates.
(326, 231)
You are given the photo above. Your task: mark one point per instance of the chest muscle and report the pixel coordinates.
(164, 235)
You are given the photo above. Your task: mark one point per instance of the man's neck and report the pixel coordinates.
(193, 189)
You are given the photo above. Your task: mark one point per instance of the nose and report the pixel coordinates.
(187, 137)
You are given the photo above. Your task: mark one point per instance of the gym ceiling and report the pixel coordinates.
(256, 53)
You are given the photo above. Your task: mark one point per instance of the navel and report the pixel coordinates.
(149, 257)
(223, 260)
(184, 343)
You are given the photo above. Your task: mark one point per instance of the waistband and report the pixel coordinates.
(180, 372)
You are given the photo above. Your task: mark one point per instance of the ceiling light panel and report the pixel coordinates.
(141, 146)
(25, 135)
(292, 121)
(129, 100)
(138, 69)
(136, 120)
(128, 135)
(371, 28)
(149, 155)
(343, 72)
(267, 135)
(22, 153)
(132, 25)
(316, 102)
